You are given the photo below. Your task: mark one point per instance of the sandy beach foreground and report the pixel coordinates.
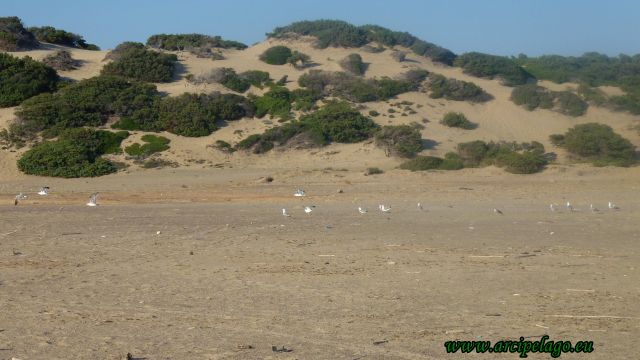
(206, 267)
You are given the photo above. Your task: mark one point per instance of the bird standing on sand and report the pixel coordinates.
(569, 206)
(613, 206)
(284, 212)
(44, 191)
(93, 200)
(19, 197)
(308, 209)
(497, 211)
(419, 206)
(593, 208)
(553, 207)
(384, 208)
(362, 210)
(299, 192)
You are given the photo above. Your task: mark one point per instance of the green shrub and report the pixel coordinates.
(599, 144)
(557, 139)
(630, 103)
(532, 96)
(224, 146)
(457, 90)
(275, 102)
(491, 66)
(276, 55)
(52, 35)
(89, 102)
(571, 104)
(527, 162)
(191, 42)
(22, 78)
(256, 78)
(458, 120)
(374, 113)
(75, 154)
(353, 63)
(14, 37)
(338, 33)
(298, 60)
(401, 140)
(452, 161)
(305, 99)
(422, 163)
(152, 144)
(142, 64)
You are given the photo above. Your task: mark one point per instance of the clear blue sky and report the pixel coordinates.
(504, 27)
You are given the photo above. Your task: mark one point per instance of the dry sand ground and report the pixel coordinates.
(227, 270)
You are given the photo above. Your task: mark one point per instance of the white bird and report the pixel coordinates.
(19, 197)
(613, 206)
(308, 209)
(497, 211)
(361, 210)
(419, 206)
(569, 206)
(44, 191)
(93, 200)
(553, 207)
(299, 192)
(284, 212)
(384, 208)
(593, 208)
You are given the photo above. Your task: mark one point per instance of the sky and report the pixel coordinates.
(501, 27)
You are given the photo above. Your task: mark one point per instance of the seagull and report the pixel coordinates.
(569, 206)
(44, 191)
(284, 212)
(308, 209)
(93, 200)
(385, 208)
(497, 211)
(298, 193)
(613, 206)
(419, 206)
(19, 197)
(553, 207)
(593, 208)
(361, 210)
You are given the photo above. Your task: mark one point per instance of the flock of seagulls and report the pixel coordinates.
(385, 208)
(44, 191)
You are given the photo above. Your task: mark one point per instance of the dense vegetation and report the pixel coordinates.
(335, 122)
(152, 144)
(592, 69)
(52, 35)
(597, 143)
(22, 78)
(532, 96)
(400, 140)
(188, 42)
(136, 62)
(76, 153)
(61, 60)
(357, 89)
(276, 55)
(338, 33)
(492, 66)
(457, 90)
(13, 35)
(353, 63)
(457, 120)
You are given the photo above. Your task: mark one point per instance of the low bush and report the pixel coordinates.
(75, 154)
(599, 144)
(457, 120)
(373, 171)
(275, 102)
(457, 90)
(353, 64)
(22, 78)
(152, 144)
(191, 42)
(523, 158)
(400, 140)
(492, 66)
(422, 163)
(61, 60)
(399, 56)
(52, 35)
(138, 63)
(14, 37)
(571, 104)
(276, 55)
(532, 97)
